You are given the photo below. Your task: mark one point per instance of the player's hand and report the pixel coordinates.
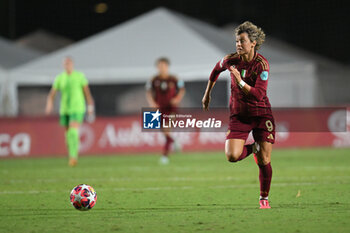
(235, 73)
(174, 101)
(48, 109)
(90, 113)
(91, 117)
(91, 109)
(205, 102)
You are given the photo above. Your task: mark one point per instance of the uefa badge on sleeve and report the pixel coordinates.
(151, 120)
(264, 75)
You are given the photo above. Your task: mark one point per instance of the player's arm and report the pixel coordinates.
(180, 94)
(219, 67)
(90, 101)
(150, 99)
(49, 101)
(150, 96)
(207, 95)
(259, 90)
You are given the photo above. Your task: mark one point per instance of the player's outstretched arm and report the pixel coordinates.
(49, 101)
(214, 75)
(207, 95)
(178, 98)
(150, 99)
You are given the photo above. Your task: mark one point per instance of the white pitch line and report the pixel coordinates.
(175, 188)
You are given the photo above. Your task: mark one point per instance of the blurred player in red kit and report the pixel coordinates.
(165, 92)
(250, 109)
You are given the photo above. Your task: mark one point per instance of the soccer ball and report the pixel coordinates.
(83, 197)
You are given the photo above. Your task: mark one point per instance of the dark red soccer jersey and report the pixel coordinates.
(255, 73)
(164, 90)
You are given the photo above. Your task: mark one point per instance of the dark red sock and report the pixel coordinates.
(247, 150)
(168, 141)
(265, 175)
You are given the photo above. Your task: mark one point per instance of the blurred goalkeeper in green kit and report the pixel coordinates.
(74, 90)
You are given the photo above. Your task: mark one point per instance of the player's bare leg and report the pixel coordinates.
(72, 137)
(166, 150)
(263, 157)
(235, 150)
(71, 162)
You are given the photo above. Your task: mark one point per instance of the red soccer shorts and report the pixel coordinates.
(263, 128)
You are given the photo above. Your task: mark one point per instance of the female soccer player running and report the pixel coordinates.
(250, 108)
(165, 91)
(74, 90)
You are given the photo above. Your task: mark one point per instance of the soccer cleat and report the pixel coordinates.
(73, 162)
(164, 160)
(264, 204)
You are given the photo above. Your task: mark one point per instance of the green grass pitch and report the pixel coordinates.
(197, 192)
